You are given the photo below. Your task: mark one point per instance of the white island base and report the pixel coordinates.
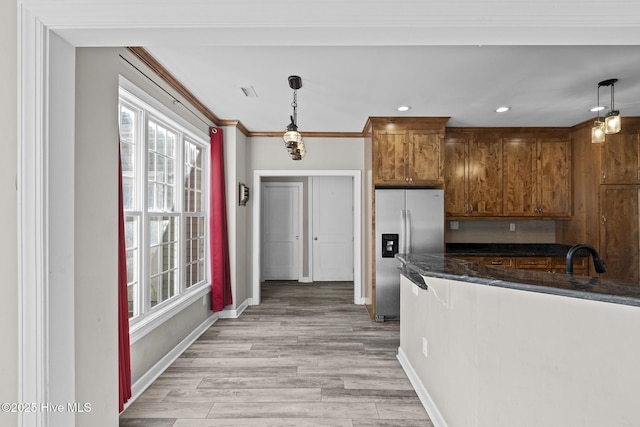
(484, 356)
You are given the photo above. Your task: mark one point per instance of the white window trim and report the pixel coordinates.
(145, 323)
(166, 310)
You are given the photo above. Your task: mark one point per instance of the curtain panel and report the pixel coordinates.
(124, 358)
(220, 270)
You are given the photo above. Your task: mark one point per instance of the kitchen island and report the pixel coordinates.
(487, 346)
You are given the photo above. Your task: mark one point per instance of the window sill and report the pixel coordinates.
(157, 317)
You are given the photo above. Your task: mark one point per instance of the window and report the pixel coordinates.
(164, 177)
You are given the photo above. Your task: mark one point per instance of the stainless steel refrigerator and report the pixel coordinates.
(406, 221)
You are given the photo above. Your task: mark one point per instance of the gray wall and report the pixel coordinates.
(236, 171)
(96, 234)
(8, 216)
(268, 153)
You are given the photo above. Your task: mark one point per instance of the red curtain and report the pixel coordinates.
(124, 360)
(220, 270)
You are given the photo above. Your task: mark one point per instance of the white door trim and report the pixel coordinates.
(357, 225)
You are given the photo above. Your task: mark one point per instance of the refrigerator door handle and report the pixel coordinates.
(407, 224)
(403, 231)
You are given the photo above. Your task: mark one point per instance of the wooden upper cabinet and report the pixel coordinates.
(455, 176)
(554, 177)
(485, 176)
(473, 175)
(620, 159)
(406, 151)
(537, 176)
(519, 189)
(423, 153)
(389, 158)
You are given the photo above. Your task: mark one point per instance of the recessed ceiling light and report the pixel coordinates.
(502, 109)
(404, 108)
(598, 108)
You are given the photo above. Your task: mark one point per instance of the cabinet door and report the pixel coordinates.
(554, 178)
(620, 162)
(485, 177)
(389, 157)
(619, 233)
(423, 154)
(455, 176)
(519, 185)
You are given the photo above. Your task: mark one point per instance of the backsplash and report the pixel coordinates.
(499, 232)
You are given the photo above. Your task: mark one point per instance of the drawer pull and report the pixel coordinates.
(496, 262)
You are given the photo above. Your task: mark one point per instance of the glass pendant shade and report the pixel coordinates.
(597, 132)
(612, 123)
(292, 137)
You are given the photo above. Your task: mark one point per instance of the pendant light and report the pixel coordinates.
(292, 138)
(597, 131)
(612, 122)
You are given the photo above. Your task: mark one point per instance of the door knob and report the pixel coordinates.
(315, 238)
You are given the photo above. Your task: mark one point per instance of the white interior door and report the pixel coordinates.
(281, 230)
(332, 228)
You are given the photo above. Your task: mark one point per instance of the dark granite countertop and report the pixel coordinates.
(510, 249)
(449, 267)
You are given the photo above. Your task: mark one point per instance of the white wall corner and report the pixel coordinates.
(235, 313)
(429, 405)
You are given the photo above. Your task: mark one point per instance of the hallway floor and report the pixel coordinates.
(306, 356)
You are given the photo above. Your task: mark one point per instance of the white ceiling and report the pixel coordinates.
(343, 85)
(360, 58)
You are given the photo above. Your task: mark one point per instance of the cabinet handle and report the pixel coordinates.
(496, 262)
(470, 208)
(604, 177)
(604, 219)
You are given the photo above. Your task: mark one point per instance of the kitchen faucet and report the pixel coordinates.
(597, 262)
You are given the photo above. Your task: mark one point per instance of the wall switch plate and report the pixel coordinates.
(425, 347)
(454, 225)
(512, 227)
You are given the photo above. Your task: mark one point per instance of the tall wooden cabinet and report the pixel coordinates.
(620, 202)
(607, 198)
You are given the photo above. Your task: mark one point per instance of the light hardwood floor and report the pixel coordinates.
(306, 356)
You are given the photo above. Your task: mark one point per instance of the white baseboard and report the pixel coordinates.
(306, 280)
(428, 403)
(234, 314)
(152, 374)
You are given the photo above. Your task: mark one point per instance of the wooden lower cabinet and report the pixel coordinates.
(548, 264)
(619, 231)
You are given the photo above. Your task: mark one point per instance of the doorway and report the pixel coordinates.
(353, 217)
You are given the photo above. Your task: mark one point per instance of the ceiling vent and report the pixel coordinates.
(249, 92)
